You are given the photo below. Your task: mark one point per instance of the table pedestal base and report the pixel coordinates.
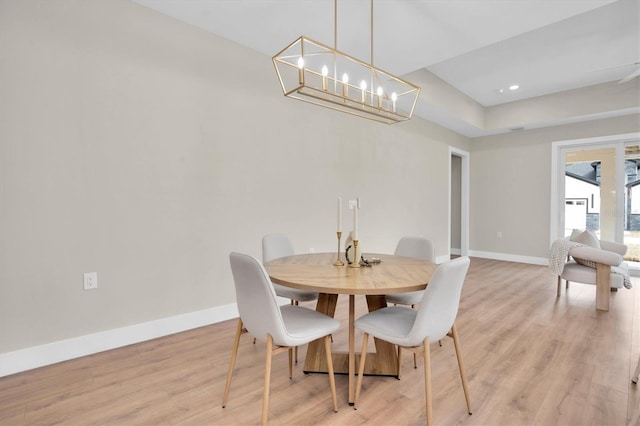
(384, 362)
(375, 365)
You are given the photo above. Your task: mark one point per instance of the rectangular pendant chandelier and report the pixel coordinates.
(316, 73)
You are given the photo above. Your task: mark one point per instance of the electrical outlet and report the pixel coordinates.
(90, 280)
(353, 204)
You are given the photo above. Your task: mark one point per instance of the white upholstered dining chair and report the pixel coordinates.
(415, 329)
(275, 246)
(419, 248)
(282, 327)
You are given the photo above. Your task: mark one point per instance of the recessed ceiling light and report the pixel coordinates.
(499, 91)
(514, 87)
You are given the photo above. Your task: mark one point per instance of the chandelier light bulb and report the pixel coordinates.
(301, 70)
(394, 98)
(325, 72)
(363, 87)
(379, 92)
(345, 86)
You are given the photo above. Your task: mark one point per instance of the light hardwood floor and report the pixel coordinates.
(531, 358)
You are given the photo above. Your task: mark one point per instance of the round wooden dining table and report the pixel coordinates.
(316, 272)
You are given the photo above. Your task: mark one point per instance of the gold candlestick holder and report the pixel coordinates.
(338, 262)
(356, 258)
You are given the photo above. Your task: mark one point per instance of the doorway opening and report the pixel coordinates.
(458, 202)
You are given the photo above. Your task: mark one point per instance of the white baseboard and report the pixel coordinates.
(510, 257)
(63, 350)
(498, 256)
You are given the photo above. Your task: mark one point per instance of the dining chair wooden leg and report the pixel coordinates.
(427, 381)
(232, 362)
(332, 379)
(456, 343)
(363, 357)
(290, 352)
(267, 379)
(399, 361)
(559, 283)
(295, 350)
(415, 355)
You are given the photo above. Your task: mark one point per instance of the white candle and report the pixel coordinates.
(355, 222)
(339, 214)
(363, 87)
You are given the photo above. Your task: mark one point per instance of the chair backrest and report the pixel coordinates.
(418, 247)
(621, 249)
(256, 298)
(439, 306)
(275, 246)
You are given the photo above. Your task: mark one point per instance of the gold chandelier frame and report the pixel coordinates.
(313, 72)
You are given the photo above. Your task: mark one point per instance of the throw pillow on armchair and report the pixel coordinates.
(589, 239)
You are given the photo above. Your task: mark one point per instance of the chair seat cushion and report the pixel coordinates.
(392, 324)
(304, 325)
(576, 272)
(294, 293)
(409, 298)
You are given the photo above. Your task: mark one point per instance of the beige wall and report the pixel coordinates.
(146, 150)
(511, 181)
(567, 105)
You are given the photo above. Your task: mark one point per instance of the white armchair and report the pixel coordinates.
(591, 264)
